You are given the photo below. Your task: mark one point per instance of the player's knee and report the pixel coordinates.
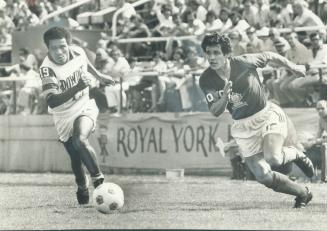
(79, 141)
(265, 178)
(274, 160)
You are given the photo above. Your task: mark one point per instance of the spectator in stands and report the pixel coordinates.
(154, 83)
(195, 26)
(305, 17)
(103, 63)
(307, 85)
(29, 95)
(29, 59)
(124, 18)
(5, 20)
(5, 37)
(278, 86)
(197, 7)
(212, 23)
(180, 7)
(250, 12)
(313, 144)
(298, 53)
(164, 15)
(255, 44)
(137, 29)
(180, 29)
(165, 26)
(276, 18)
(239, 24)
(269, 42)
(119, 72)
(225, 20)
(238, 45)
(191, 95)
(263, 19)
(281, 13)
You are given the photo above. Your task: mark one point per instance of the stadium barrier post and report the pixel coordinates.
(14, 97)
(323, 154)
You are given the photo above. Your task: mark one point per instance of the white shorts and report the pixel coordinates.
(64, 124)
(249, 132)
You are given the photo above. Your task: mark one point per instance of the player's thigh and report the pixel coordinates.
(272, 145)
(258, 166)
(274, 132)
(83, 126)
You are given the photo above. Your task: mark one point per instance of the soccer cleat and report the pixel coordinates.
(301, 202)
(83, 196)
(305, 164)
(98, 182)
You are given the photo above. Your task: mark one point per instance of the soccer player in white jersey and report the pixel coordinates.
(66, 75)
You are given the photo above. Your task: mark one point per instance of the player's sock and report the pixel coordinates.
(292, 154)
(76, 164)
(281, 183)
(97, 180)
(284, 168)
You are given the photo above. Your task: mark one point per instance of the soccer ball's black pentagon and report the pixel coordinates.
(99, 199)
(113, 206)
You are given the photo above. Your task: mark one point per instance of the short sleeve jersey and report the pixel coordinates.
(247, 95)
(61, 78)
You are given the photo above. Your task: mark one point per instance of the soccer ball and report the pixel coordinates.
(108, 197)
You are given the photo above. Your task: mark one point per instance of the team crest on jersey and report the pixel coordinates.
(235, 97)
(236, 100)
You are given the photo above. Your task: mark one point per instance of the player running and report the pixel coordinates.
(262, 130)
(65, 74)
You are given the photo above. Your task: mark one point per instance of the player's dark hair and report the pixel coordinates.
(56, 33)
(217, 40)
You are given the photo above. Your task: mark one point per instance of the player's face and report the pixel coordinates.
(322, 109)
(58, 51)
(215, 57)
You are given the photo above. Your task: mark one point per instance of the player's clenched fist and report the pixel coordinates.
(107, 80)
(228, 88)
(89, 81)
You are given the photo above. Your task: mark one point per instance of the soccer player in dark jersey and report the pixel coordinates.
(67, 76)
(262, 130)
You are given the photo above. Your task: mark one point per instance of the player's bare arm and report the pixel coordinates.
(298, 70)
(220, 102)
(105, 79)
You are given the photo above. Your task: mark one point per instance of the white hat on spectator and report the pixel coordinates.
(2, 4)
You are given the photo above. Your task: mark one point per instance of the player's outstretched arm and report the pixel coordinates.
(54, 100)
(298, 70)
(105, 79)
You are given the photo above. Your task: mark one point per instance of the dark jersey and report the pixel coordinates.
(247, 95)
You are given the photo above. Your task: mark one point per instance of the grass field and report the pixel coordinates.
(47, 201)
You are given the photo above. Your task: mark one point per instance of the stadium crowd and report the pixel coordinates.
(163, 76)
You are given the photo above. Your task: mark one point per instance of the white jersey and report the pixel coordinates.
(61, 78)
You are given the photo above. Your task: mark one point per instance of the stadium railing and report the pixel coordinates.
(14, 88)
(64, 9)
(193, 73)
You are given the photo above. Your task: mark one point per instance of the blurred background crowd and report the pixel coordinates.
(154, 50)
